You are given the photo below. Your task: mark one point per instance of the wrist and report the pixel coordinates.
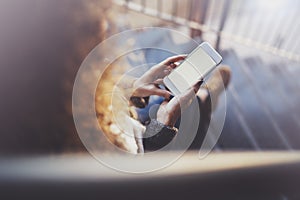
(167, 121)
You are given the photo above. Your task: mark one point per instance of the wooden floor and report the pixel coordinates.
(263, 107)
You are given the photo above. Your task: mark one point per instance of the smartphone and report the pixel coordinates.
(197, 65)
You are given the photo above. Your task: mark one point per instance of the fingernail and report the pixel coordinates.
(172, 65)
(200, 82)
(197, 86)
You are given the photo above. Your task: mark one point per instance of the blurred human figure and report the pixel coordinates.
(162, 129)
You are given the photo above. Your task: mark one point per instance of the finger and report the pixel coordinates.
(166, 101)
(165, 67)
(185, 99)
(173, 65)
(168, 69)
(174, 59)
(163, 93)
(159, 81)
(196, 87)
(161, 72)
(191, 93)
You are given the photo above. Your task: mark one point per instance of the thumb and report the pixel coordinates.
(185, 99)
(196, 87)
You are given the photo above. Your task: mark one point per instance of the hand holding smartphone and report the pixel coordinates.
(197, 65)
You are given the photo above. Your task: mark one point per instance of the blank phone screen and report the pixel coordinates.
(190, 71)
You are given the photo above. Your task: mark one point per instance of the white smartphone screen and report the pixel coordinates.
(195, 67)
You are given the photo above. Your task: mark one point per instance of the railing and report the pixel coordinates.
(270, 26)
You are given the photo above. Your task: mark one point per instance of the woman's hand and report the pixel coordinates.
(170, 110)
(147, 84)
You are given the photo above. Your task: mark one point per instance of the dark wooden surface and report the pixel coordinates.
(263, 104)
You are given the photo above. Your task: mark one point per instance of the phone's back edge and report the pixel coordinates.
(212, 52)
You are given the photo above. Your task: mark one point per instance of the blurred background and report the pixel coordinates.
(43, 43)
(259, 41)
